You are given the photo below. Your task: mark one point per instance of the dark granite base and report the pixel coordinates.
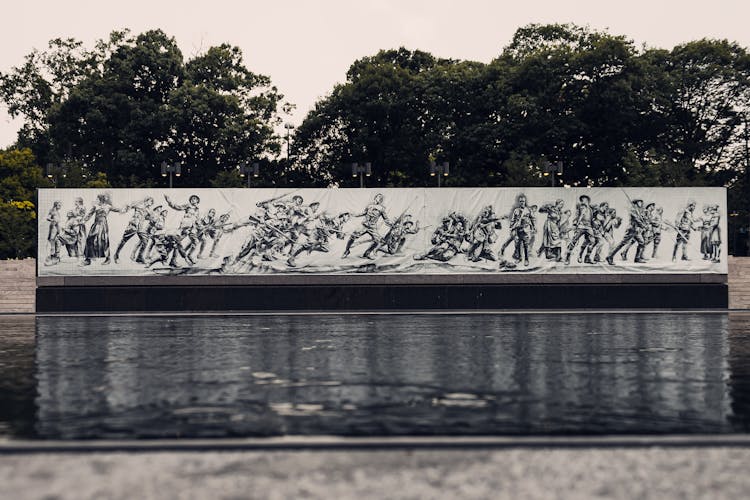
(381, 297)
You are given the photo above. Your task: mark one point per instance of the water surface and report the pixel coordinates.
(403, 374)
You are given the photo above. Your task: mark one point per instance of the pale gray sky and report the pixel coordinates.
(307, 46)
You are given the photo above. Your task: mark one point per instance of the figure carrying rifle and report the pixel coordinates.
(684, 224)
(483, 234)
(583, 228)
(636, 232)
(372, 215)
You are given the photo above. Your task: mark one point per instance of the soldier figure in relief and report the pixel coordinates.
(684, 225)
(715, 237)
(446, 240)
(80, 213)
(137, 226)
(318, 241)
(483, 235)
(553, 231)
(636, 232)
(395, 238)
(522, 227)
(372, 215)
(582, 224)
(69, 234)
(189, 222)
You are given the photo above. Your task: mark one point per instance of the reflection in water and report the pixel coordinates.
(482, 374)
(401, 374)
(739, 371)
(17, 385)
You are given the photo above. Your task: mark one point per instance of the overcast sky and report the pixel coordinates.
(307, 46)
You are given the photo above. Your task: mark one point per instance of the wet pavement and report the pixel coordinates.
(642, 473)
(121, 377)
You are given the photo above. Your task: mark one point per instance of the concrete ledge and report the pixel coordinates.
(374, 279)
(373, 443)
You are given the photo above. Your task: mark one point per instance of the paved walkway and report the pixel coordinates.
(515, 473)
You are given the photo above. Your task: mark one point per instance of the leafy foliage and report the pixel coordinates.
(133, 102)
(17, 229)
(614, 114)
(19, 175)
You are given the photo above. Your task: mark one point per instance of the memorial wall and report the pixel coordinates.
(138, 232)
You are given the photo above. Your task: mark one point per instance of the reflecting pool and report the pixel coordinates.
(400, 374)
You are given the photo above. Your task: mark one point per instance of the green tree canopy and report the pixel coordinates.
(613, 113)
(133, 102)
(19, 175)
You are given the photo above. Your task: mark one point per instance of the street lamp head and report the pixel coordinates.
(355, 169)
(446, 168)
(368, 169)
(163, 169)
(177, 169)
(256, 169)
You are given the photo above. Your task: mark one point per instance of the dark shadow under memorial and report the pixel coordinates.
(380, 293)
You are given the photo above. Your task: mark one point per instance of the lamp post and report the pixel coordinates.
(53, 171)
(552, 168)
(441, 170)
(288, 126)
(175, 168)
(248, 170)
(361, 171)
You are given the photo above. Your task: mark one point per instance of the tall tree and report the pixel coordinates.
(133, 102)
(396, 110)
(709, 96)
(221, 114)
(614, 114)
